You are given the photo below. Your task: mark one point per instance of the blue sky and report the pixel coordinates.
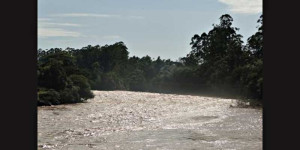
(147, 27)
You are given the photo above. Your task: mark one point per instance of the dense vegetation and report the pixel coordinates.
(218, 64)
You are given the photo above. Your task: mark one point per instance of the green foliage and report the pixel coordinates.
(111, 81)
(70, 95)
(84, 87)
(54, 72)
(137, 81)
(224, 63)
(218, 62)
(96, 83)
(48, 97)
(56, 69)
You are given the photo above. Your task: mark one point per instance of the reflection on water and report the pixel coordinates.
(140, 120)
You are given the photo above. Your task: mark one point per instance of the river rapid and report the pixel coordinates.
(140, 120)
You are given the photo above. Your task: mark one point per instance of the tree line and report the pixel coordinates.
(218, 64)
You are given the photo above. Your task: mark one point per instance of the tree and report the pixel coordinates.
(218, 52)
(52, 75)
(254, 80)
(59, 78)
(84, 87)
(255, 42)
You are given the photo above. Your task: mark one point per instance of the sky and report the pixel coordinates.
(147, 27)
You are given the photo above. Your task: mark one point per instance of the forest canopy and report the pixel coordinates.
(218, 64)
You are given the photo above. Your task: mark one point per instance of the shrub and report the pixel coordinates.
(137, 81)
(96, 84)
(48, 97)
(111, 81)
(84, 87)
(70, 95)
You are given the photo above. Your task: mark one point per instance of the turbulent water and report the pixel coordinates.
(140, 120)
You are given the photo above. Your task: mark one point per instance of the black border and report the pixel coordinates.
(18, 73)
(281, 75)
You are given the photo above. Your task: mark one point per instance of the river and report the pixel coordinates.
(141, 120)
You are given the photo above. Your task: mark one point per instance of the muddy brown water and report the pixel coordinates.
(141, 120)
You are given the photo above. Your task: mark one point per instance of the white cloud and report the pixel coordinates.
(51, 29)
(44, 19)
(244, 6)
(95, 15)
(84, 15)
(56, 32)
(51, 24)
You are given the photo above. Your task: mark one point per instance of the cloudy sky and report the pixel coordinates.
(148, 27)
